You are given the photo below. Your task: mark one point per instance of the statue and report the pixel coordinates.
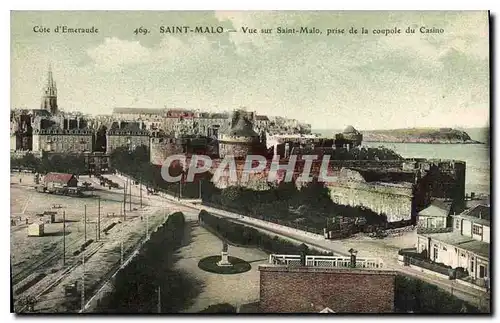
(224, 261)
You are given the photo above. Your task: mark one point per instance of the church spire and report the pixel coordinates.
(50, 79)
(49, 98)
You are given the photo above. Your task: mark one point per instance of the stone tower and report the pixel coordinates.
(241, 140)
(49, 98)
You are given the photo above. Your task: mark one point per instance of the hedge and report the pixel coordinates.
(243, 235)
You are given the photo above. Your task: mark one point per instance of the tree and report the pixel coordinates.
(315, 194)
(230, 195)
(286, 191)
(29, 161)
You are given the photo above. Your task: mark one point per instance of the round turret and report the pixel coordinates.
(240, 140)
(353, 135)
(350, 130)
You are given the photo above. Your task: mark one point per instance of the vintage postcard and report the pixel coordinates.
(250, 162)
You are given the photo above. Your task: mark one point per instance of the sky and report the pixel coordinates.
(370, 81)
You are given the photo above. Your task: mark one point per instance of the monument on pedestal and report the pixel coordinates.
(224, 262)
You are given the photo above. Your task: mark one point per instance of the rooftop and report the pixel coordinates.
(479, 211)
(61, 178)
(137, 111)
(131, 127)
(349, 130)
(434, 211)
(479, 214)
(463, 242)
(478, 247)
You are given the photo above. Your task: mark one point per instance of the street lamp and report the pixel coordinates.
(353, 253)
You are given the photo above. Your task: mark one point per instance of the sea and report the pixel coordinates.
(476, 157)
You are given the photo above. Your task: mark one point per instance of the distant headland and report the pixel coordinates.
(420, 135)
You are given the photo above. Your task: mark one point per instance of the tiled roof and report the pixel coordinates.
(58, 178)
(137, 111)
(478, 247)
(434, 211)
(480, 212)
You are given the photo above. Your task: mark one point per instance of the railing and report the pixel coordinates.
(287, 260)
(326, 261)
(480, 282)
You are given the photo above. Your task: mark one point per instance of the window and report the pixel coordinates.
(477, 229)
(482, 271)
(457, 224)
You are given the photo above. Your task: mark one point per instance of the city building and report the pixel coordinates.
(60, 180)
(466, 246)
(57, 140)
(130, 135)
(436, 215)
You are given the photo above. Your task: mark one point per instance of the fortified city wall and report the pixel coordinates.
(393, 200)
(161, 148)
(238, 146)
(400, 199)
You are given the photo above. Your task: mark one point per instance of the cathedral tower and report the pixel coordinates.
(49, 98)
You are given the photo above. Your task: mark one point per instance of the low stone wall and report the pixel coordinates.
(471, 285)
(422, 270)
